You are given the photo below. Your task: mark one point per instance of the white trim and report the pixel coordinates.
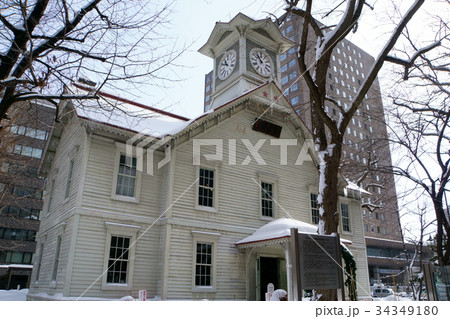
(206, 238)
(215, 207)
(120, 230)
(268, 179)
(350, 224)
(121, 149)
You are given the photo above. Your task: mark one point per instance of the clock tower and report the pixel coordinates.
(246, 54)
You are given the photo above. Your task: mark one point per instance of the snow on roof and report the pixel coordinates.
(122, 113)
(281, 229)
(277, 229)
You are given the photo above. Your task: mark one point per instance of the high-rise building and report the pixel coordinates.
(365, 148)
(23, 137)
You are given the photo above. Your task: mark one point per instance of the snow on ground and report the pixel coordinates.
(393, 298)
(13, 295)
(21, 295)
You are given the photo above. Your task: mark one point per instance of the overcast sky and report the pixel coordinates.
(192, 22)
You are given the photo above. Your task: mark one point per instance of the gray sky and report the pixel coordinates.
(192, 22)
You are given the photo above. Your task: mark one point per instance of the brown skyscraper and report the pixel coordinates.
(23, 137)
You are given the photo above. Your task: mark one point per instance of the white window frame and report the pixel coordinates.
(215, 207)
(206, 238)
(311, 208)
(121, 149)
(57, 255)
(39, 263)
(51, 195)
(69, 178)
(120, 230)
(348, 217)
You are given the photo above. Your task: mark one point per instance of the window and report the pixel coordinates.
(283, 68)
(41, 253)
(126, 177)
(345, 217)
(28, 131)
(118, 260)
(283, 57)
(15, 257)
(291, 63)
(294, 100)
(206, 188)
(18, 212)
(284, 79)
(17, 234)
(50, 197)
(69, 179)
(27, 151)
(203, 264)
(294, 87)
(291, 51)
(267, 199)
(293, 75)
(366, 227)
(57, 255)
(314, 209)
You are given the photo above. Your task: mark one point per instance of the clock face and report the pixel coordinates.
(227, 64)
(261, 62)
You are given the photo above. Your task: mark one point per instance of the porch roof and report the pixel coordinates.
(278, 232)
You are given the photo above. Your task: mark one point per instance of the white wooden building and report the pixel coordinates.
(114, 223)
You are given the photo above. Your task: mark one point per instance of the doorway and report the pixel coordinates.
(271, 270)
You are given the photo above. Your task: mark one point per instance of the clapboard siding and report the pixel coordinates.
(58, 219)
(100, 177)
(89, 259)
(239, 195)
(71, 147)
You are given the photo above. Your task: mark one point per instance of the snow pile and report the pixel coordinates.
(14, 295)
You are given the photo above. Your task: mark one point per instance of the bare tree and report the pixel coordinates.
(316, 80)
(46, 44)
(420, 127)
(422, 253)
(315, 76)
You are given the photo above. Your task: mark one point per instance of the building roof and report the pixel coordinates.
(125, 114)
(222, 29)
